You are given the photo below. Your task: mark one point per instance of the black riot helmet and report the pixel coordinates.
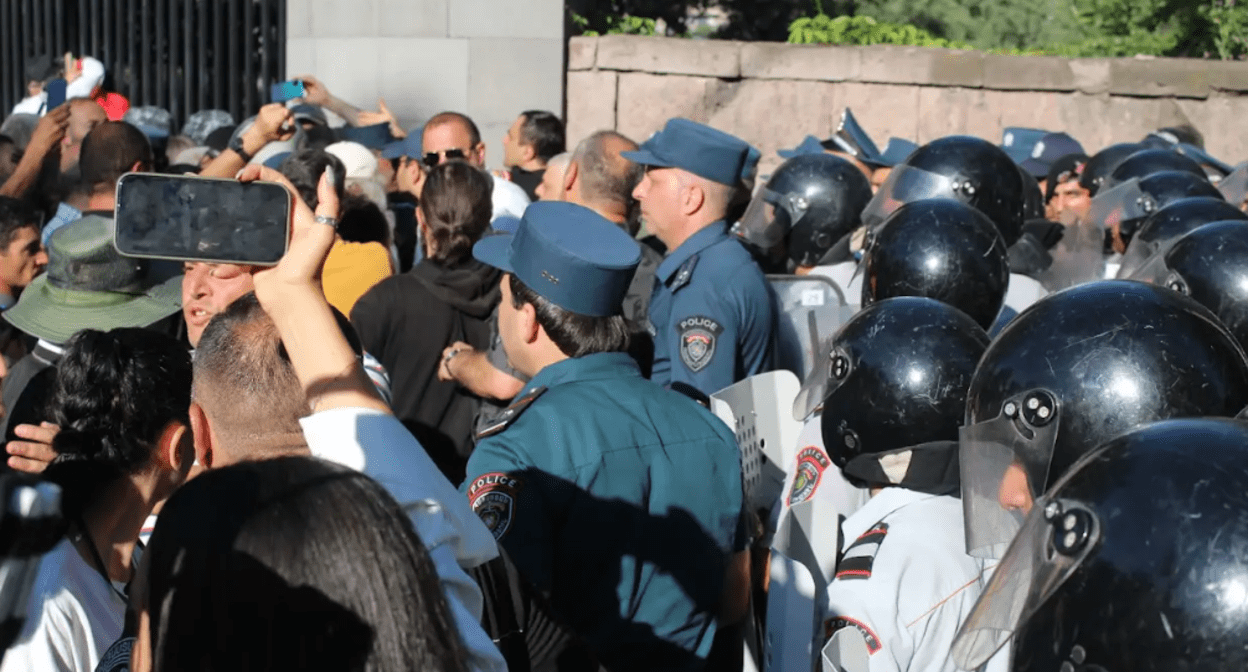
(960, 168)
(1075, 369)
(939, 249)
(1134, 561)
(1160, 229)
(814, 200)
(1210, 265)
(1103, 163)
(896, 380)
(1148, 161)
(1123, 207)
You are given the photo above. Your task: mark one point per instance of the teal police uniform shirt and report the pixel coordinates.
(711, 314)
(621, 502)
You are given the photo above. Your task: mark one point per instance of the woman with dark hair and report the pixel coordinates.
(407, 320)
(121, 400)
(290, 564)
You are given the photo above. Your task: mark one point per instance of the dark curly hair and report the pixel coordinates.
(113, 394)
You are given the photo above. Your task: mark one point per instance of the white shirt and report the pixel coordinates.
(74, 615)
(509, 198)
(92, 75)
(907, 587)
(1023, 292)
(378, 445)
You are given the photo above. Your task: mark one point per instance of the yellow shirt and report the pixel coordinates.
(351, 269)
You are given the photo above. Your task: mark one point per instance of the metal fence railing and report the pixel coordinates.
(183, 55)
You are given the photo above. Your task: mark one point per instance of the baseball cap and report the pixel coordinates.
(1050, 148)
(1018, 141)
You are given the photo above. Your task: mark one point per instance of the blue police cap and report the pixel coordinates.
(897, 150)
(1018, 142)
(1048, 150)
(854, 139)
(1201, 156)
(568, 254)
(697, 148)
(749, 169)
(811, 145)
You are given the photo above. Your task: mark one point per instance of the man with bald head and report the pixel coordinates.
(551, 186)
(711, 314)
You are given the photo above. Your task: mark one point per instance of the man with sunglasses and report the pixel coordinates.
(450, 136)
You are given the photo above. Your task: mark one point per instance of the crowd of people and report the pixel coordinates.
(466, 422)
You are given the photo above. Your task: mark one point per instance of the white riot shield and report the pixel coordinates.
(803, 563)
(809, 309)
(759, 411)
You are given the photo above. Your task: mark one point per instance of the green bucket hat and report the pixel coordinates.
(89, 285)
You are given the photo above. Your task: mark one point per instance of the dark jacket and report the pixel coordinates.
(405, 321)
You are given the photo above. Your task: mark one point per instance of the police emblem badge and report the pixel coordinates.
(697, 341)
(493, 498)
(811, 462)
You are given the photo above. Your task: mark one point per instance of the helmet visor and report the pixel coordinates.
(1004, 463)
(1235, 187)
(906, 184)
(1057, 537)
(1077, 258)
(1123, 202)
(759, 225)
(1154, 270)
(1140, 260)
(832, 368)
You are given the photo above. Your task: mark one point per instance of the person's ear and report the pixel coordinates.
(177, 450)
(201, 433)
(528, 324)
(570, 176)
(693, 199)
(138, 167)
(527, 153)
(479, 150)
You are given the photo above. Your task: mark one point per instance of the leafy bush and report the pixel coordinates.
(863, 30)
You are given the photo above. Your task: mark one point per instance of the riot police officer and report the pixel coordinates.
(711, 313)
(628, 539)
(898, 377)
(1076, 369)
(941, 249)
(1132, 563)
(1163, 227)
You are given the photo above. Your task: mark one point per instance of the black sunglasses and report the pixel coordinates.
(432, 159)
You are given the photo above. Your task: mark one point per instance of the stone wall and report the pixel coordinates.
(775, 94)
(491, 59)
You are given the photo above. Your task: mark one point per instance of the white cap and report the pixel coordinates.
(359, 160)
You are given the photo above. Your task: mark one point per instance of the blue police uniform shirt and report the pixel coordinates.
(711, 315)
(621, 502)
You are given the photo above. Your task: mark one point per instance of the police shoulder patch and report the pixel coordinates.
(859, 558)
(811, 463)
(698, 335)
(874, 645)
(492, 497)
(510, 414)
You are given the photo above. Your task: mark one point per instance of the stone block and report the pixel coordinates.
(1186, 78)
(1220, 119)
(343, 19)
(646, 101)
(590, 103)
(412, 18)
(889, 64)
(1031, 73)
(670, 55)
(348, 66)
(508, 76)
(298, 18)
(534, 19)
(751, 110)
(1092, 75)
(416, 93)
(770, 60)
(1227, 75)
(582, 52)
(956, 111)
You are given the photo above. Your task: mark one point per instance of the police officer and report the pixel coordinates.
(1132, 564)
(617, 499)
(899, 374)
(1159, 231)
(712, 314)
(1078, 368)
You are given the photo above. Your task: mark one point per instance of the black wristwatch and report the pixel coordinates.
(236, 146)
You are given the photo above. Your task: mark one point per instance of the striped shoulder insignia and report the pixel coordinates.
(859, 558)
(510, 414)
